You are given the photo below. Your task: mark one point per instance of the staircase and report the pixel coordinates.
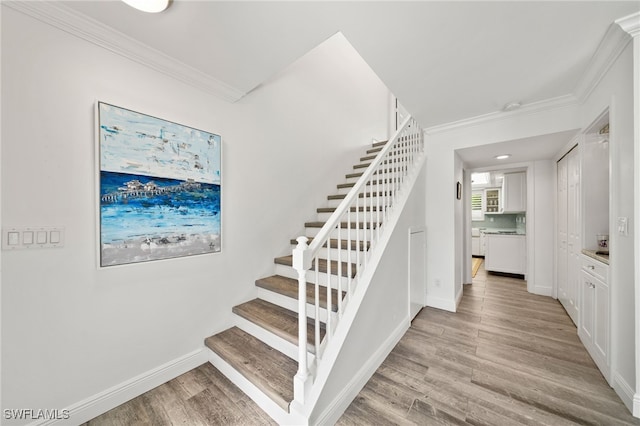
(261, 352)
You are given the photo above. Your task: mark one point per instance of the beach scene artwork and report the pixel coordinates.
(160, 188)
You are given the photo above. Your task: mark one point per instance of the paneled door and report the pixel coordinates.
(569, 233)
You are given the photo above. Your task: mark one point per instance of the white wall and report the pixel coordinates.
(544, 175)
(71, 330)
(615, 92)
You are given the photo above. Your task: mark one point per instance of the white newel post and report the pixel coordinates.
(302, 263)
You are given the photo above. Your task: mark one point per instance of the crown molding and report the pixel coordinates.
(527, 109)
(630, 24)
(88, 29)
(611, 46)
(618, 36)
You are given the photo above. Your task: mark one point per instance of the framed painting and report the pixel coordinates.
(159, 188)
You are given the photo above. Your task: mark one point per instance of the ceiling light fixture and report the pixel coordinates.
(502, 156)
(151, 6)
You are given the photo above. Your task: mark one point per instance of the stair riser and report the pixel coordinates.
(323, 253)
(376, 188)
(360, 234)
(323, 217)
(276, 342)
(291, 304)
(287, 271)
(377, 201)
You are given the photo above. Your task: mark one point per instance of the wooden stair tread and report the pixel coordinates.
(268, 369)
(353, 209)
(289, 287)
(333, 243)
(361, 195)
(322, 267)
(377, 144)
(278, 320)
(354, 226)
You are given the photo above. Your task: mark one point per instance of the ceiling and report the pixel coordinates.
(445, 61)
(521, 150)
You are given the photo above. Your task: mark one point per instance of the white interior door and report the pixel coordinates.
(417, 270)
(563, 233)
(574, 244)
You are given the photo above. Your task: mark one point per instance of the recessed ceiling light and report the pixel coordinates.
(502, 156)
(151, 6)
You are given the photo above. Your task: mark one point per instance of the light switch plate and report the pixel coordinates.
(623, 226)
(32, 237)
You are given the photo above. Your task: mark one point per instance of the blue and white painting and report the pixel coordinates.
(159, 188)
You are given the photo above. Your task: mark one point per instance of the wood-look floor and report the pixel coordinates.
(506, 357)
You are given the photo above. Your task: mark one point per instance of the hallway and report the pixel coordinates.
(506, 357)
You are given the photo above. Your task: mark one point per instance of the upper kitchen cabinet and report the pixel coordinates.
(514, 192)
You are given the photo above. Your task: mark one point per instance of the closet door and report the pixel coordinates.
(563, 233)
(574, 244)
(569, 225)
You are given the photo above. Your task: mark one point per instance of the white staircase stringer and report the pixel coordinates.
(330, 355)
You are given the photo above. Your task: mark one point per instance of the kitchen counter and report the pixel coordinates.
(604, 258)
(502, 231)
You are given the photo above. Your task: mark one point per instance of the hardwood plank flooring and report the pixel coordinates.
(506, 357)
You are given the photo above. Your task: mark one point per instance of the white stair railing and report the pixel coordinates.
(349, 237)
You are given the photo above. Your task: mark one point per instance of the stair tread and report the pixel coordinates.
(353, 209)
(333, 243)
(268, 369)
(343, 225)
(289, 287)
(278, 320)
(361, 195)
(322, 267)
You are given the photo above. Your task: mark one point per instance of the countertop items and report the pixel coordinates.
(604, 258)
(506, 231)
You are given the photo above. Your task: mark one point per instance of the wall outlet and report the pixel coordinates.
(437, 282)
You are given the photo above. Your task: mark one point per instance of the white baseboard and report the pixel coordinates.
(622, 388)
(104, 401)
(543, 291)
(442, 303)
(341, 402)
(636, 405)
(459, 296)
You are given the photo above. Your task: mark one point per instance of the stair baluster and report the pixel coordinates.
(382, 179)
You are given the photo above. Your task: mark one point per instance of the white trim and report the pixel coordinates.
(93, 31)
(342, 400)
(459, 296)
(543, 291)
(630, 24)
(532, 108)
(611, 46)
(108, 399)
(442, 303)
(623, 389)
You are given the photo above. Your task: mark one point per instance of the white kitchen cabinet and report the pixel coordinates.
(514, 192)
(492, 200)
(483, 244)
(475, 246)
(506, 253)
(594, 328)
